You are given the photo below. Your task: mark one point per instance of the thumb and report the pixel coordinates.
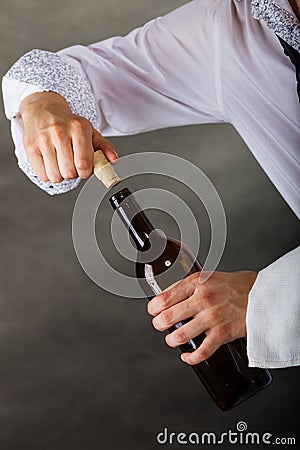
(107, 147)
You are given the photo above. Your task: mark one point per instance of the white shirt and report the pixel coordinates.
(208, 61)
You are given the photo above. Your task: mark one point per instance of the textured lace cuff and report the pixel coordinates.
(281, 21)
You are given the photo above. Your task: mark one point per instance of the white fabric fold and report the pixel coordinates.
(273, 315)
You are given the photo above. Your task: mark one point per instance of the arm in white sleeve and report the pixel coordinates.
(273, 315)
(159, 75)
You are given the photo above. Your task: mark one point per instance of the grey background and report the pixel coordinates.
(80, 368)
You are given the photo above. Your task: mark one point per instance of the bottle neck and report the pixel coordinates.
(136, 221)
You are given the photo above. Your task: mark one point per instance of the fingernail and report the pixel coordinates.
(115, 160)
(149, 312)
(151, 307)
(183, 358)
(154, 322)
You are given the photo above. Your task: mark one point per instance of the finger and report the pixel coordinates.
(181, 311)
(65, 158)
(36, 160)
(172, 285)
(176, 294)
(51, 164)
(186, 332)
(83, 151)
(210, 344)
(167, 289)
(100, 143)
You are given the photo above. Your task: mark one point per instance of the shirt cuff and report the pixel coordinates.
(273, 315)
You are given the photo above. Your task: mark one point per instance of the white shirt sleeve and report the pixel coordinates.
(273, 315)
(152, 78)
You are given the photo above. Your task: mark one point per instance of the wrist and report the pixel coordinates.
(41, 100)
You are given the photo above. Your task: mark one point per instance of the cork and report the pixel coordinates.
(104, 171)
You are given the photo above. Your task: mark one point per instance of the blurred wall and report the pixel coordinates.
(79, 367)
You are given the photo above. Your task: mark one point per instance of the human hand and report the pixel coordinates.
(217, 307)
(59, 144)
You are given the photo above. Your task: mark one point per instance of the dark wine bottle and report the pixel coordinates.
(161, 262)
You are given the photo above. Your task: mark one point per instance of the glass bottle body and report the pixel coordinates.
(226, 374)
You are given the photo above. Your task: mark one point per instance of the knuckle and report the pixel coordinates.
(215, 315)
(79, 124)
(58, 129)
(224, 333)
(180, 337)
(164, 299)
(31, 149)
(55, 179)
(202, 300)
(191, 282)
(199, 301)
(69, 174)
(44, 140)
(83, 164)
(166, 317)
(205, 298)
(204, 289)
(86, 174)
(195, 276)
(204, 354)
